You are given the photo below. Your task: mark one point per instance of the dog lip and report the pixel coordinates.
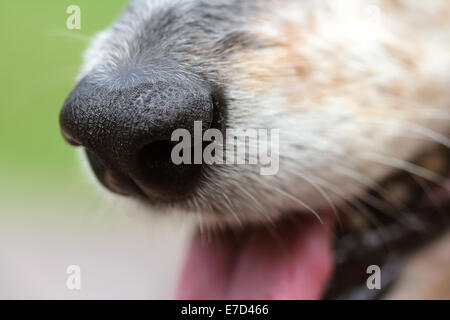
(155, 197)
(69, 139)
(111, 179)
(133, 188)
(129, 185)
(123, 187)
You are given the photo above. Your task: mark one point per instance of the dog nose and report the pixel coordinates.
(127, 131)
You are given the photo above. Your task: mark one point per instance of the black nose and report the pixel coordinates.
(127, 133)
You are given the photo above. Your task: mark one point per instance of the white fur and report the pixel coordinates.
(348, 138)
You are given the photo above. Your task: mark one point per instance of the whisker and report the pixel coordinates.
(352, 199)
(198, 215)
(373, 185)
(420, 131)
(228, 204)
(69, 34)
(426, 132)
(257, 203)
(430, 195)
(405, 166)
(303, 204)
(367, 182)
(434, 114)
(321, 191)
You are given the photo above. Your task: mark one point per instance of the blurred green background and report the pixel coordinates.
(51, 215)
(40, 58)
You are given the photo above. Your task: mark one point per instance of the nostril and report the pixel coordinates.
(159, 172)
(157, 155)
(113, 180)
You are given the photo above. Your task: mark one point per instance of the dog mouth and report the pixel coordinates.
(305, 259)
(301, 257)
(292, 260)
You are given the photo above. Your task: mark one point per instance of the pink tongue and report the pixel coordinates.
(292, 261)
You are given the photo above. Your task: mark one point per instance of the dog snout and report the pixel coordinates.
(127, 133)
